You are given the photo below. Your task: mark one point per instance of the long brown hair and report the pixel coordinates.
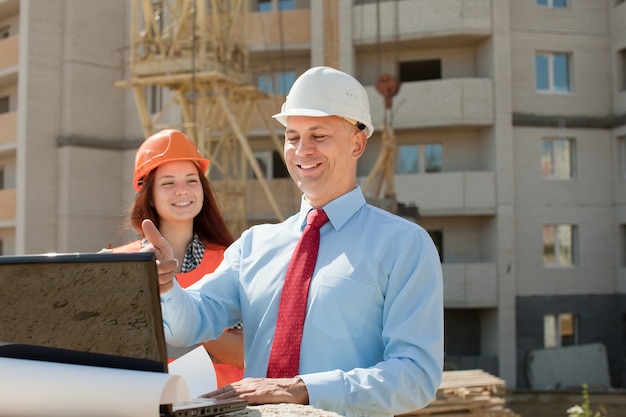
(209, 224)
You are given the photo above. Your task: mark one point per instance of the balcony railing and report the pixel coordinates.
(449, 193)
(470, 285)
(9, 48)
(284, 31)
(8, 128)
(447, 22)
(438, 103)
(7, 204)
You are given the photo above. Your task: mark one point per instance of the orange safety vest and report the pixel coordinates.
(213, 255)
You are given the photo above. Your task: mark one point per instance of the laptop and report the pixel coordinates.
(97, 309)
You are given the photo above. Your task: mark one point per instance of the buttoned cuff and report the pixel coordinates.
(327, 390)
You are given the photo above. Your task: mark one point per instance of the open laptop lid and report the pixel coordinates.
(99, 309)
(87, 308)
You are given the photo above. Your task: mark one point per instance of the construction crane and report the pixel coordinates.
(379, 187)
(196, 49)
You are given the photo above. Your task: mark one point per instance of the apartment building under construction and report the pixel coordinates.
(509, 126)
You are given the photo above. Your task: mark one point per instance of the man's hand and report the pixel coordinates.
(265, 391)
(166, 262)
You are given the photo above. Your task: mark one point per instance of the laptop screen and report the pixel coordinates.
(88, 308)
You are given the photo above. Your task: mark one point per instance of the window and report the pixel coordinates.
(418, 159)
(420, 70)
(267, 5)
(271, 164)
(552, 72)
(264, 159)
(278, 83)
(4, 104)
(560, 330)
(557, 156)
(552, 3)
(559, 245)
(154, 98)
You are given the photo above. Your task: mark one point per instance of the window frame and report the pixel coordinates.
(554, 158)
(557, 230)
(550, 4)
(265, 161)
(550, 72)
(275, 5)
(276, 83)
(555, 321)
(421, 159)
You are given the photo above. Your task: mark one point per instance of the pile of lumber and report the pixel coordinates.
(471, 393)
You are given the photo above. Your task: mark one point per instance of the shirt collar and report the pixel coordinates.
(339, 210)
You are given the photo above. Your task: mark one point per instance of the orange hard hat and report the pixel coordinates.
(165, 146)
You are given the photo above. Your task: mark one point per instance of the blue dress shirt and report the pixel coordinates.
(372, 341)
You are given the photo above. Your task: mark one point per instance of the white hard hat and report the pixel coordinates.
(324, 91)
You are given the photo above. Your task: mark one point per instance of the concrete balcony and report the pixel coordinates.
(9, 60)
(457, 102)
(8, 131)
(7, 205)
(466, 193)
(424, 23)
(462, 102)
(470, 285)
(462, 193)
(9, 54)
(285, 193)
(284, 32)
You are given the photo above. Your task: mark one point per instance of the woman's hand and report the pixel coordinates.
(166, 262)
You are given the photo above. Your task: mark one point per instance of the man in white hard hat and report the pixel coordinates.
(372, 339)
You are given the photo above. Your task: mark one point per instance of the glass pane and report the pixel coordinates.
(433, 158)
(406, 160)
(564, 243)
(542, 2)
(561, 72)
(567, 325)
(265, 83)
(562, 159)
(559, 3)
(286, 5)
(546, 158)
(541, 72)
(549, 331)
(265, 5)
(548, 245)
(285, 81)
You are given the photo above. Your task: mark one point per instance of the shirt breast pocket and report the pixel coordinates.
(341, 307)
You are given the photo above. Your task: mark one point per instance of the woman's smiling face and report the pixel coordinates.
(177, 191)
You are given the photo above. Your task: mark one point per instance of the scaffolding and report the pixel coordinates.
(196, 49)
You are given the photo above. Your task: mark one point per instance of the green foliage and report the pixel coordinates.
(584, 409)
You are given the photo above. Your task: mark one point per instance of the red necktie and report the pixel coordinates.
(285, 355)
